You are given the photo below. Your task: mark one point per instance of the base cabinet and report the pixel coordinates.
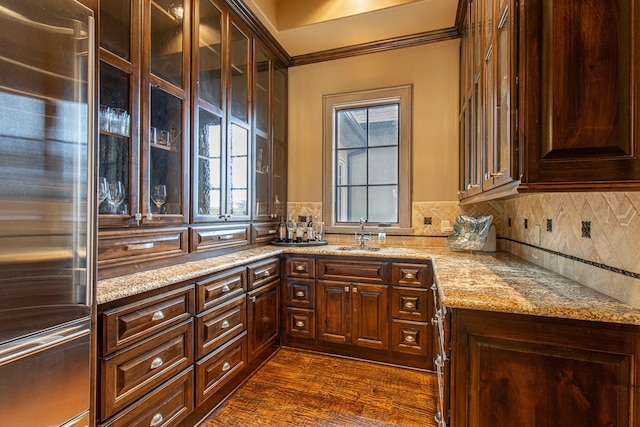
(169, 357)
(522, 370)
(377, 309)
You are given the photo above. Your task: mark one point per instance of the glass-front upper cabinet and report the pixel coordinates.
(263, 156)
(144, 85)
(118, 180)
(165, 144)
(221, 109)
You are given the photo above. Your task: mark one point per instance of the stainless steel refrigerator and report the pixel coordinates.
(46, 212)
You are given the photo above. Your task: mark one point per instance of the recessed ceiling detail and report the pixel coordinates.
(296, 13)
(307, 26)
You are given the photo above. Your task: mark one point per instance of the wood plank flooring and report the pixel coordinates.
(300, 388)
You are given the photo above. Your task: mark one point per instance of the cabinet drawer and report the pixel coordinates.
(127, 324)
(264, 233)
(263, 272)
(300, 267)
(410, 337)
(301, 293)
(165, 406)
(219, 367)
(220, 324)
(135, 371)
(410, 304)
(301, 323)
(356, 271)
(127, 247)
(213, 290)
(219, 237)
(411, 275)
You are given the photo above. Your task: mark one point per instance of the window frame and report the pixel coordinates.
(401, 95)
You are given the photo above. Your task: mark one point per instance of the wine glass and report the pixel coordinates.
(103, 190)
(116, 194)
(159, 196)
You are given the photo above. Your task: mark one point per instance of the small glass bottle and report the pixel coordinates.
(310, 231)
(282, 231)
(291, 230)
(382, 234)
(319, 229)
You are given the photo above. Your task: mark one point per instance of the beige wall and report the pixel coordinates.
(433, 71)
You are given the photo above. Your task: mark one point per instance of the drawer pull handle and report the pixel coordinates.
(139, 246)
(300, 324)
(158, 315)
(300, 268)
(409, 276)
(409, 304)
(266, 273)
(226, 367)
(224, 325)
(156, 420)
(300, 294)
(271, 231)
(156, 363)
(410, 338)
(225, 237)
(226, 288)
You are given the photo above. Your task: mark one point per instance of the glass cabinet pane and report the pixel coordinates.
(263, 156)
(280, 104)
(115, 27)
(165, 157)
(167, 40)
(210, 49)
(279, 172)
(263, 66)
(504, 78)
(238, 170)
(209, 187)
(239, 44)
(115, 144)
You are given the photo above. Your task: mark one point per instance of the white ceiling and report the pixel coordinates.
(307, 26)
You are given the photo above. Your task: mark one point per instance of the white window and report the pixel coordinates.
(367, 158)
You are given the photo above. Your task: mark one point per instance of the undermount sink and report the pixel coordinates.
(357, 248)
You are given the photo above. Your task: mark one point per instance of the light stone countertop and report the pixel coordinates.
(498, 282)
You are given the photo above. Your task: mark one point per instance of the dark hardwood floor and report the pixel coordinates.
(300, 388)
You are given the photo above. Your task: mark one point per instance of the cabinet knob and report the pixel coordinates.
(299, 324)
(410, 338)
(156, 420)
(346, 289)
(226, 366)
(253, 299)
(158, 315)
(409, 304)
(225, 324)
(409, 276)
(226, 288)
(300, 294)
(156, 363)
(299, 267)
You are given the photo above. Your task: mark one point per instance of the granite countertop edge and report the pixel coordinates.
(497, 282)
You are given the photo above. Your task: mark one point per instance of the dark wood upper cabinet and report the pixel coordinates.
(579, 91)
(548, 92)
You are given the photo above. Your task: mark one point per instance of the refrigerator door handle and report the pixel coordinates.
(35, 343)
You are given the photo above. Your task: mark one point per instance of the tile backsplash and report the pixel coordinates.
(591, 237)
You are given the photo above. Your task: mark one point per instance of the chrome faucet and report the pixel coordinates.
(362, 238)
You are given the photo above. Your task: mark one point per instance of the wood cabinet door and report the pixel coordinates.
(578, 89)
(334, 311)
(528, 371)
(263, 317)
(370, 310)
